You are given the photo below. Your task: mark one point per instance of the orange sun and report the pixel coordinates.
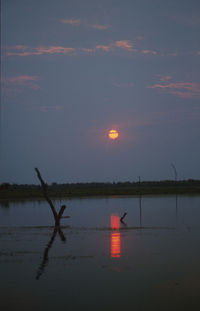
(113, 134)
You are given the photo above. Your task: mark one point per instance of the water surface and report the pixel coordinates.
(149, 262)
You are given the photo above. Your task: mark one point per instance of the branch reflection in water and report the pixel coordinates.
(45, 259)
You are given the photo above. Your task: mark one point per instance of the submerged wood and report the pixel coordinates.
(58, 216)
(122, 218)
(57, 228)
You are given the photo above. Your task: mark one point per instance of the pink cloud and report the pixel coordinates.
(74, 22)
(20, 47)
(100, 27)
(165, 78)
(149, 52)
(15, 84)
(22, 79)
(88, 50)
(169, 54)
(54, 50)
(78, 22)
(124, 44)
(181, 89)
(105, 48)
(18, 54)
(23, 51)
(39, 50)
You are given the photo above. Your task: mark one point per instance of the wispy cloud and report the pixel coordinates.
(74, 22)
(124, 44)
(121, 44)
(100, 27)
(23, 50)
(79, 22)
(23, 80)
(171, 54)
(14, 86)
(165, 78)
(181, 89)
(20, 47)
(20, 50)
(152, 52)
(105, 48)
(87, 50)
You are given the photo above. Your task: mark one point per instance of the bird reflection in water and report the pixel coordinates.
(115, 237)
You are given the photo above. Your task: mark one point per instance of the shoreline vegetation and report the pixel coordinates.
(73, 190)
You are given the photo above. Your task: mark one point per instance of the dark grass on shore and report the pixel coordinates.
(14, 191)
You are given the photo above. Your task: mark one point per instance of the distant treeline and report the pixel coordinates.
(26, 191)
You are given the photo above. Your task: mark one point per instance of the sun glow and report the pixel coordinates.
(114, 222)
(113, 134)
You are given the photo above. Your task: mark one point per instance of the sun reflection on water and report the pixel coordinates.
(115, 237)
(115, 245)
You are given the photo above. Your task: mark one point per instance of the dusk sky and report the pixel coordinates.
(71, 70)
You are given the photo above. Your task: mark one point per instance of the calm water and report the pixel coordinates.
(149, 262)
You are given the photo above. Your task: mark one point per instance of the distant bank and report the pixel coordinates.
(15, 191)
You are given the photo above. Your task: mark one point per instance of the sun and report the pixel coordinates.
(113, 134)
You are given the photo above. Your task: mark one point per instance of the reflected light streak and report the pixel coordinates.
(115, 245)
(114, 222)
(115, 237)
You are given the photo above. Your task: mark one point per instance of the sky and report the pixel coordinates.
(71, 70)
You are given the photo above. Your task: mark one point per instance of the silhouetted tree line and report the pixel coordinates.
(93, 185)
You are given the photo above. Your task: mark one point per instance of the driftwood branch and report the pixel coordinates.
(44, 189)
(58, 216)
(122, 218)
(61, 211)
(57, 228)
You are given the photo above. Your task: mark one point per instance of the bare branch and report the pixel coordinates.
(44, 188)
(63, 207)
(121, 219)
(57, 217)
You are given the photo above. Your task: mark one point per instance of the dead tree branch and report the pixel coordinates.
(122, 218)
(58, 216)
(57, 229)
